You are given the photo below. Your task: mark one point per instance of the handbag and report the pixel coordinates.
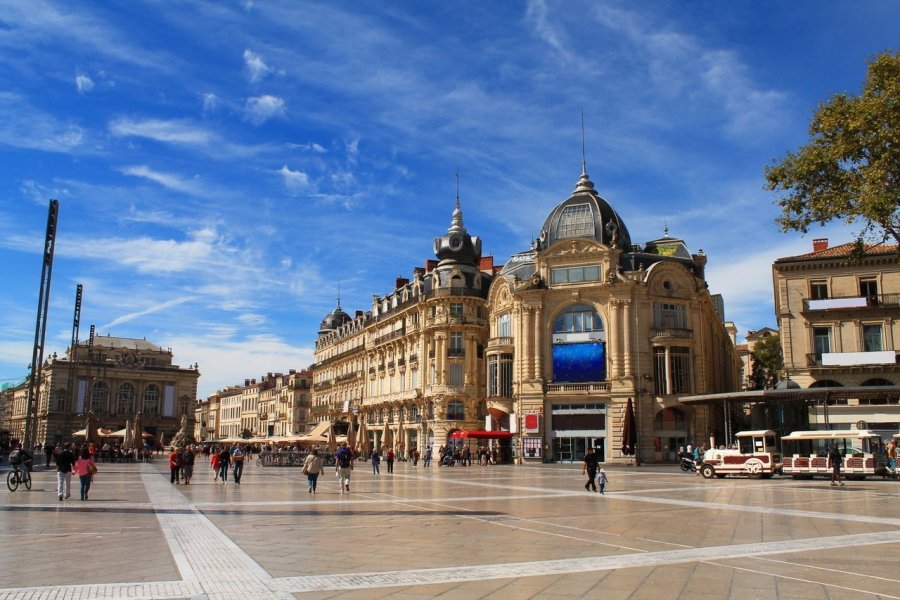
(92, 469)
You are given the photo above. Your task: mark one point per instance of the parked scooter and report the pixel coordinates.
(688, 464)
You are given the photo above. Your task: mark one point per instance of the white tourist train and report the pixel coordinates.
(756, 456)
(806, 453)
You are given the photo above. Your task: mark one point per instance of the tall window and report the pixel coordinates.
(668, 315)
(576, 221)
(456, 344)
(456, 309)
(818, 290)
(125, 399)
(456, 411)
(504, 325)
(456, 374)
(872, 339)
(100, 398)
(151, 400)
(821, 341)
(414, 378)
(500, 375)
(672, 376)
(60, 397)
(868, 288)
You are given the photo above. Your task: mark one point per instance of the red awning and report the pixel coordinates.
(491, 435)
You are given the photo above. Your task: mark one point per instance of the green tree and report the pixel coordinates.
(850, 169)
(765, 362)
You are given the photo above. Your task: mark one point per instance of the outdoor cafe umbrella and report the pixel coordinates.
(127, 441)
(138, 436)
(401, 439)
(387, 437)
(629, 431)
(351, 435)
(331, 443)
(362, 438)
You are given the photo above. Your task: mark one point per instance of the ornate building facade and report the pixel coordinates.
(412, 366)
(586, 322)
(113, 377)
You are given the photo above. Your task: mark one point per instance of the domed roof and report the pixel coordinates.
(585, 214)
(787, 384)
(333, 320)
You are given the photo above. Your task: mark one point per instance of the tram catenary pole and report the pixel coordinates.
(40, 329)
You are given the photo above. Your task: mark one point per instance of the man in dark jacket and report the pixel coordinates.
(65, 460)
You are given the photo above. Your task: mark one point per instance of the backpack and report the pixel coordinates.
(15, 457)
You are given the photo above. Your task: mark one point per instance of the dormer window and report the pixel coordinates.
(576, 221)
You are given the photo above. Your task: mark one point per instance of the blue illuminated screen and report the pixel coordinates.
(579, 362)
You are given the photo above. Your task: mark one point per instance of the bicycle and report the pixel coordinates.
(18, 476)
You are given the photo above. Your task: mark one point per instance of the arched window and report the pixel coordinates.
(100, 398)
(151, 400)
(456, 411)
(669, 418)
(579, 345)
(825, 383)
(125, 400)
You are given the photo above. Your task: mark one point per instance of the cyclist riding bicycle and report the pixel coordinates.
(19, 457)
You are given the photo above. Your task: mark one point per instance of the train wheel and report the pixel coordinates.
(708, 472)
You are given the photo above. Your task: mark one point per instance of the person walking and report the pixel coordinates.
(48, 454)
(834, 455)
(187, 460)
(415, 457)
(214, 464)
(312, 466)
(224, 463)
(376, 461)
(602, 480)
(85, 467)
(65, 464)
(389, 459)
(237, 457)
(590, 468)
(426, 460)
(344, 463)
(175, 463)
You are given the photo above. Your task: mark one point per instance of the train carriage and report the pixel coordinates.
(806, 453)
(756, 456)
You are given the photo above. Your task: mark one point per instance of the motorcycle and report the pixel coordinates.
(688, 464)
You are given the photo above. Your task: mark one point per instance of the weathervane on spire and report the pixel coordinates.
(583, 154)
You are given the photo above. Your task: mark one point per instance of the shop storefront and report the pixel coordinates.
(576, 427)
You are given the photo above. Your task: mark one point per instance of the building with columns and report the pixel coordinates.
(414, 364)
(585, 321)
(113, 377)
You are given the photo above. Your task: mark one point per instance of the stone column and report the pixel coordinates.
(538, 345)
(627, 333)
(614, 340)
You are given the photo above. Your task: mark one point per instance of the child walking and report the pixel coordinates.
(602, 480)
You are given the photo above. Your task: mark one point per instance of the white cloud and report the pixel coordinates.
(260, 109)
(36, 130)
(173, 182)
(146, 311)
(83, 83)
(255, 66)
(294, 181)
(173, 131)
(314, 147)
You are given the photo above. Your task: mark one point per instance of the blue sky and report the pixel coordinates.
(221, 165)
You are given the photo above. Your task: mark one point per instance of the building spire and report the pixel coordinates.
(584, 182)
(339, 294)
(666, 227)
(456, 224)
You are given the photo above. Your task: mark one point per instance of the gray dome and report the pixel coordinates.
(787, 384)
(585, 214)
(334, 320)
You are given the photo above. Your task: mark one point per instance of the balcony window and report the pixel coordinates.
(456, 310)
(868, 288)
(821, 342)
(125, 404)
(151, 400)
(672, 370)
(818, 290)
(578, 318)
(872, 338)
(500, 375)
(667, 315)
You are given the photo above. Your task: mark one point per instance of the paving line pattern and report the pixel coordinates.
(215, 568)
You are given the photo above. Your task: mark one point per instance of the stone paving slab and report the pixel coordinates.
(478, 532)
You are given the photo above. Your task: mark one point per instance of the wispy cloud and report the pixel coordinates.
(260, 109)
(210, 102)
(191, 186)
(295, 182)
(35, 129)
(171, 131)
(146, 311)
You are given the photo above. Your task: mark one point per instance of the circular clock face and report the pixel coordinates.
(455, 242)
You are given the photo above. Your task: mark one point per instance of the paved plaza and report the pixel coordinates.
(476, 532)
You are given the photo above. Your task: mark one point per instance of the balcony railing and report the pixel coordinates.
(670, 332)
(501, 341)
(852, 302)
(456, 352)
(390, 336)
(578, 388)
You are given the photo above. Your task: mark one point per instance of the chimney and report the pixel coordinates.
(820, 244)
(359, 313)
(399, 282)
(246, 383)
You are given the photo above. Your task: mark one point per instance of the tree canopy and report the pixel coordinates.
(850, 169)
(765, 362)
